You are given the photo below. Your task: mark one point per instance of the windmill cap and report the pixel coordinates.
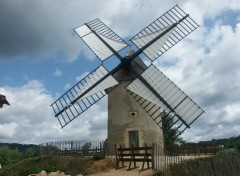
(3, 100)
(130, 52)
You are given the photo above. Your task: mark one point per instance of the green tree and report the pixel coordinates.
(86, 147)
(9, 156)
(170, 133)
(31, 152)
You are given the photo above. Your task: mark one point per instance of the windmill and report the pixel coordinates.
(137, 94)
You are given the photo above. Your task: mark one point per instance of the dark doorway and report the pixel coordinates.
(133, 138)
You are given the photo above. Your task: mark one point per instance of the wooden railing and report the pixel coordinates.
(71, 148)
(133, 155)
(155, 156)
(187, 150)
(225, 165)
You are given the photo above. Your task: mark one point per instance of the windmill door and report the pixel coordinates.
(133, 138)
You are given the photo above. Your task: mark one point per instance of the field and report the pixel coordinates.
(69, 165)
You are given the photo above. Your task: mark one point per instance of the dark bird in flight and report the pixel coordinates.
(3, 100)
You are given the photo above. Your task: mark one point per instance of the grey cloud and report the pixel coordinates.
(33, 29)
(23, 28)
(210, 78)
(36, 29)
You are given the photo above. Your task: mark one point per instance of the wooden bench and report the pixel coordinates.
(133, 155)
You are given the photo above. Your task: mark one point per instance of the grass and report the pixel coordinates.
(68, 165)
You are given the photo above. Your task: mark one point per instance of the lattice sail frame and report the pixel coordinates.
(172, 99)
(88, 33)
(153, 41)
(76, 100)
(182, 25)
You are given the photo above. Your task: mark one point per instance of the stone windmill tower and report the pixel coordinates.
(137, 94)
(128, 123)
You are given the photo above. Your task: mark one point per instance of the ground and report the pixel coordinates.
(70, 166)
(106, 168)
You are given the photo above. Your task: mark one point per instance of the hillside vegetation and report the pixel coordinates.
(69, 165)
(23, 160)
(228, 143)
(22, 148)
(11, 154)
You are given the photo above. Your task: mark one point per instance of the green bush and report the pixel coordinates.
(227, 151)
(86, 147)
(159, 173)
(98, 155)
(53, 165)
(9, 156)
(29, 171)
(31, 152)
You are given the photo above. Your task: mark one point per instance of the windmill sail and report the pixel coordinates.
(82, 95)
(179, 24)
(151, 89)
(95, 77)
(94, 32)
(152, 50)
(152, 109)
(174, 100)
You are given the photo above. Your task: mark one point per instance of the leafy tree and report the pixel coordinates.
(20, 147)
(228, 143)
(98, 155)
(31, 152)
(9, 156)
(86, 147)
(170, 133)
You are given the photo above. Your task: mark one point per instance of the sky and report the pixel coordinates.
(41, 57)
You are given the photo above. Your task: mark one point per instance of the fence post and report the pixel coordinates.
(132, 157)
(40, 150)
(153, 159)
(101, 149)
(116, 153)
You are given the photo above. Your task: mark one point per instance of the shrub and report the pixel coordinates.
(86, 147)
(98, 155)
(225, 152)
(31, 152)
(9, 156)
(29, 171)
(53, 165)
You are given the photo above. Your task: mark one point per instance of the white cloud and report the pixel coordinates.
(80, 77)
(57, 72)
(7, 130)
(30, 119)
(205, 65)
(77, 79)
(67, 86)
(29, 110)
(202, 10)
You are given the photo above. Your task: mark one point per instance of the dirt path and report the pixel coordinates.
(124, 172)
(107, 168)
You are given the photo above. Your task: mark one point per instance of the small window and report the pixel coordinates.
(133, 113)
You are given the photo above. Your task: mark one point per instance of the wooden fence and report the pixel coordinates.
(176, 154)
(132, 155)
(192, 149)
(227, 165)
(71, 148)
(196, 160)
(155, 156)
